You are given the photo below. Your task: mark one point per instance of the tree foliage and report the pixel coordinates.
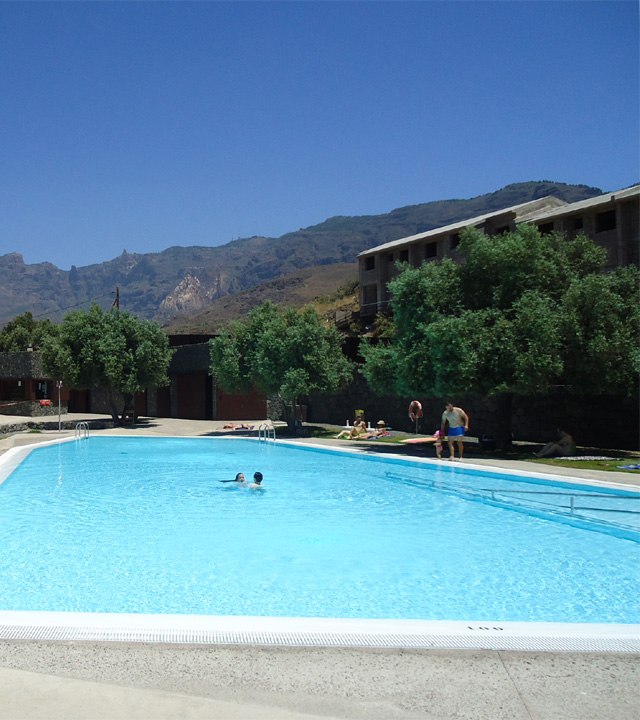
(110, 350)
(523, 313)
(24, 332)
(283, 352)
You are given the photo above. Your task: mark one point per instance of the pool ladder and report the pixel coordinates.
(82, 430)
(267, 431)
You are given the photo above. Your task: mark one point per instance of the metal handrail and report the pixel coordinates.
(265, 430)
(572, 497)
(570, 510)
(82, 430)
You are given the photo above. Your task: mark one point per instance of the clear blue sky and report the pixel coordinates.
(145, 125)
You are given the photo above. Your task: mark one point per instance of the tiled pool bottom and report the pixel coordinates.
(319, 632)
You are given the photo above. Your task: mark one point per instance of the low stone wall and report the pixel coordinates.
(594, 421)
(52, 424)
(31, 409)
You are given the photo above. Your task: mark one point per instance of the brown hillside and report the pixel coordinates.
(325, 286)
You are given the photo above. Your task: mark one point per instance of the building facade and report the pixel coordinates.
(610, 220)
(24, 388)
(192, 392)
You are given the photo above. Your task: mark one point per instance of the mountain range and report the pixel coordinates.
(181, 282)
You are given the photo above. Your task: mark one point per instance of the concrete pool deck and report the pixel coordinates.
(83, 679)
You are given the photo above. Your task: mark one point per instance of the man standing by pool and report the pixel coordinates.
(458, 424)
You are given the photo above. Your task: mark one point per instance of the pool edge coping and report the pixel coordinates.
(319, 632)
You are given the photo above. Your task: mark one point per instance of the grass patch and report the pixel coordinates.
(612, 465)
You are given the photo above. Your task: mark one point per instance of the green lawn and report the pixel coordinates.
(594, 464)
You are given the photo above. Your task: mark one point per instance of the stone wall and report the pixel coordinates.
(275, 408)
(594, 421)
(31, 409)
(99, 401)
(51, 424)
(19, 365)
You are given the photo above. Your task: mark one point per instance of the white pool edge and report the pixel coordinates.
(317, 632)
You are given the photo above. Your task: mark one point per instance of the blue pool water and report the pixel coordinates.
(143, 525)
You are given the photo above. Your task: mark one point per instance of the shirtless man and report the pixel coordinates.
(257, 480)
(458, 424)
(359, 426)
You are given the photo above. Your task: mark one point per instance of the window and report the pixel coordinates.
(455, 240)
(606, 221)
(578, 223)
(370, 262)
(431, 250)
(404, 256)
(545, 228)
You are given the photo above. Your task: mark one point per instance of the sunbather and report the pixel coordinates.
(563, 446)
(380, 431)
(352, 433)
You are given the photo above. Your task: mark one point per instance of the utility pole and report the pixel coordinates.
(116, 302)
(59, 386)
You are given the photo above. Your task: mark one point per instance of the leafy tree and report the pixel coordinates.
(24, 332)
(522, 314)
(286, 353)
(110, 350)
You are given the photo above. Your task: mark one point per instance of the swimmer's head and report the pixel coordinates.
(240, 477)
(257, 477)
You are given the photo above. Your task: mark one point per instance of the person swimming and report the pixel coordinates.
(239, 478)
(257, 480)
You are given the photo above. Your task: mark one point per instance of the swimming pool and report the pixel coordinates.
(143, 526)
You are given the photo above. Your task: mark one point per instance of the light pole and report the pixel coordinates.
(59, 386)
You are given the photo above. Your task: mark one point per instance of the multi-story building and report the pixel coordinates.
(611, 220)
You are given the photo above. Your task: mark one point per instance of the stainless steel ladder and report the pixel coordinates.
(267, 431)
(82, 430)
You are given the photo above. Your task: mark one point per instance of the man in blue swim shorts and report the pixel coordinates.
(458, 424)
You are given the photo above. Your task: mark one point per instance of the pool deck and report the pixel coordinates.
(86, 680)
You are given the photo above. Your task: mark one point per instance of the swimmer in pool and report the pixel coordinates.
(257, 480)
(238, 479)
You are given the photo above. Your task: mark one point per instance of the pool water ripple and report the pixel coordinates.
(144, 525)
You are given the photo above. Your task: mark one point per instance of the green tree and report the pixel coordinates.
(523, 313)
(286, 353)
(110, 350)
(24, 332)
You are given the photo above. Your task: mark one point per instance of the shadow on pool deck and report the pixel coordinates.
(60, 680)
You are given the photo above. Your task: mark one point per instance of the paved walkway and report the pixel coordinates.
(115, 681)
